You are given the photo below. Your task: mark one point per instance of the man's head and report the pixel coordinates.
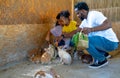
(81, 10)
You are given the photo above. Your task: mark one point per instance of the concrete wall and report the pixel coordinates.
(17, 40)
(31, 11)
(24, 24)
(116, 28)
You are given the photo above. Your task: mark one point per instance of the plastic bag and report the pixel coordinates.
(82, 41)
(75, 39)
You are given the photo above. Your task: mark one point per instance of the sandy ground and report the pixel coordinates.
(26, 69)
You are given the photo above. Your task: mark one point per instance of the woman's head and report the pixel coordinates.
(65, 17)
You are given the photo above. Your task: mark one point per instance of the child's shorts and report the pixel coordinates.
(61, 43)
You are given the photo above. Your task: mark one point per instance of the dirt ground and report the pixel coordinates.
(26, 69)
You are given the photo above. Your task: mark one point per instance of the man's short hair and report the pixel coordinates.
(81, 5)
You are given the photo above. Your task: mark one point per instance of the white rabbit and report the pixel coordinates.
(65, 57)
(44, 74)
(52, 51)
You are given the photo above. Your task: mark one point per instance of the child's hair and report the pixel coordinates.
(57, 17)
(56, 24)
(65, 13)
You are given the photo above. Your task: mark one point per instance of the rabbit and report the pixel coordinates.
(71, 51)
(53, 51)
(44, 74)
(46, 58)
(86, 58)
(33, 52)
(36, 59)
(65, 57)
(50, 54)
(35, 55)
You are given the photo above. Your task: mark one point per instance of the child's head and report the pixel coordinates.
(65, 17)
(59, 21)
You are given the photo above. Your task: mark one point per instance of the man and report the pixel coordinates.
(102, 39)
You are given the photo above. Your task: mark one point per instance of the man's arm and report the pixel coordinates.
(105, 25)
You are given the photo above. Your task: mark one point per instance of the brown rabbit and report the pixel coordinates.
(46, 58)
(35, 55)
(44, 74)
(49, 54)
(33, 52)
(86, 58)
(36, 59)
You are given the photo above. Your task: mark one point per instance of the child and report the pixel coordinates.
(56, 32)
(63, 30)
(69, 28)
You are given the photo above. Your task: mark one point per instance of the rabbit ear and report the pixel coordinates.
(46, 49)
(61, 47)
(50, 45)
(64, 49)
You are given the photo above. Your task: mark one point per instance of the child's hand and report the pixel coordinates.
(58, 39)
(56, 44)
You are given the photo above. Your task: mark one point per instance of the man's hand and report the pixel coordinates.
(79, 29)
(87, 30)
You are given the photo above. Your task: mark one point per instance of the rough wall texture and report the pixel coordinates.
(17, 40)
(110, 8)
(116, 27)
(31, 11)
(24, 24)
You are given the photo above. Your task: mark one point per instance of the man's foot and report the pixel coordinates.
(99, 64)
(107, 55)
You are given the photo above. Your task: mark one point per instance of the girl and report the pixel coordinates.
(56, 32)
(69, 28)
